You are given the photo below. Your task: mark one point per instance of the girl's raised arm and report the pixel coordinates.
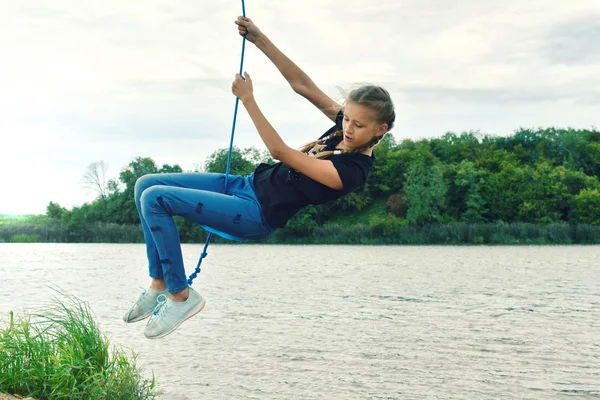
(298, 79)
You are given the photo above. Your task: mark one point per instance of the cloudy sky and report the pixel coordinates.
(112, 80)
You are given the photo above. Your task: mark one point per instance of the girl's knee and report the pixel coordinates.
(153, 201)
(144, 182)
(151, 196)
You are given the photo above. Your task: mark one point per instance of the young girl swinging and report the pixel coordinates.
(254, 206)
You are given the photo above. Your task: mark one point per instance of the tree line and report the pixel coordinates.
(536, 184)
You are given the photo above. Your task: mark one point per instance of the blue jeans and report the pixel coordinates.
(200, 198)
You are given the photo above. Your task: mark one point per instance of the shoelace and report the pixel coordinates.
(161, 306)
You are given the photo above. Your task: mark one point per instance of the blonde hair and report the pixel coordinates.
(375, 98)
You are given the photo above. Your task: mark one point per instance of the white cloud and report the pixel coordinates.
(114, 80)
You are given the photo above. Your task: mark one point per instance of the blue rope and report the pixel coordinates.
(237, 101)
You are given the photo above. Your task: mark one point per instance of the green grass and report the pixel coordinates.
(61, 354)
(24, 238)
(8, 218)
(396, 231)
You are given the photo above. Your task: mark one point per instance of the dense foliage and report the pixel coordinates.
(543, 176)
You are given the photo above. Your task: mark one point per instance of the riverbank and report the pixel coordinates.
(381, 231)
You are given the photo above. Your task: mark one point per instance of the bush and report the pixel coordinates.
(61, 354)
(397, 205)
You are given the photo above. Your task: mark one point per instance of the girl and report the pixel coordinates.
(254, 206)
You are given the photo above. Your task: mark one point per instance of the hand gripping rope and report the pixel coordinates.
(237, 101)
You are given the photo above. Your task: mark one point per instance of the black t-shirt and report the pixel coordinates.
(283, 191)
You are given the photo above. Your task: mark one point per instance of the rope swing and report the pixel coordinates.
(210, 230)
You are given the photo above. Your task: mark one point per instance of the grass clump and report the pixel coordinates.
(61, 354)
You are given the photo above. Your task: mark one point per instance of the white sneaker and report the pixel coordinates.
(144, 306)
(169, 314)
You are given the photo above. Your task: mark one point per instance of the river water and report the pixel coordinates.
(345, 322)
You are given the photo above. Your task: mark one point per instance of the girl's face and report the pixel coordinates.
(360, 126)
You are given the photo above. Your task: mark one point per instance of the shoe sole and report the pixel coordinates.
(193, 312)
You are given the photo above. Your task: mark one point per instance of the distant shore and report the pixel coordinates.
(384, 231)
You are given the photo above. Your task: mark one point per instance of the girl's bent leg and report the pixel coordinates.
(231, 214)
(204, 181)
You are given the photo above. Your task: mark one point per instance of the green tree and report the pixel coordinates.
(468, 180)
(391, 163)
(502, 191)
(586, 207)
(543, 196)
(256, 156)
(453, 149)
(243, 162)
(303, 223)
(426, 191)
(355, 201)
(54, 211)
